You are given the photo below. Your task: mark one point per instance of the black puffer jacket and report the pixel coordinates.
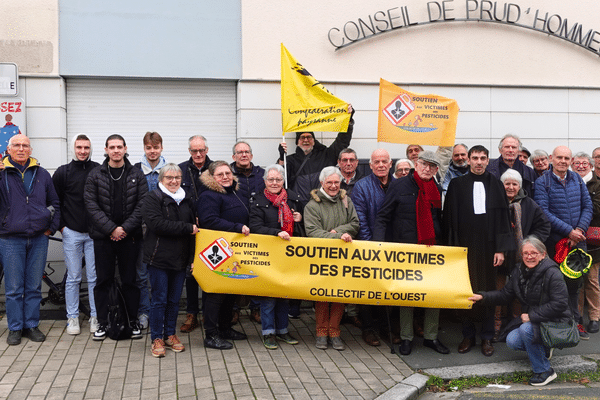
(168, 242)
(264, 216)
(546, 284)
(99, 201)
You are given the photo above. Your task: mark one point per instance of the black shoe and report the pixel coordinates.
(436, 345)
(14, 338)
(136, 330)
(543, 379)
(406, 347)
(34, 334)
(232, 334)
(216, 342)
(100, 333)
(593, 327)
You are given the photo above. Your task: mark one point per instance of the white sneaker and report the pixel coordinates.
(144, 321)
(73, 326)
(93, 324)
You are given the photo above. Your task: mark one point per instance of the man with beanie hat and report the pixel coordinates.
(303, 167)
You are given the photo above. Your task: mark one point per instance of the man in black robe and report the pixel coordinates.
(476, 216)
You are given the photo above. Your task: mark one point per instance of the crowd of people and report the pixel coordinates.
(141, 219)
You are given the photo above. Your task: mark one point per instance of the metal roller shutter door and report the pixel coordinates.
(174, 108)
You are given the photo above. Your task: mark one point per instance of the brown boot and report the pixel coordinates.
(191, 323)
(255, 315)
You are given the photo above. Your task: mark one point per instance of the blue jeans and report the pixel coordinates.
(142, 282)
(76, 246)
(274, 315)
(522, 339)
(167, 286)
(24, 260)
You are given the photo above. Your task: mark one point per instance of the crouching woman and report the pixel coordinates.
(540, 287)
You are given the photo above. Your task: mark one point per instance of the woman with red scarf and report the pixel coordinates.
(412, 205)
(275, 211)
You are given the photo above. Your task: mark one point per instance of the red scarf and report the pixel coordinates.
(286, 218)
(428, 198)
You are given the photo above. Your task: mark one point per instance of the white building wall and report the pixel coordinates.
(543, 117)
(505, 78)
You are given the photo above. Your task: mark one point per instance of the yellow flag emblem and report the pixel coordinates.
(307, 105)
(413, 118)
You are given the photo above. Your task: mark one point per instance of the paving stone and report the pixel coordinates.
(76, 366)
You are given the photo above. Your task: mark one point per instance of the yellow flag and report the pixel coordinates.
(306, 105)
(413, 118)
(360, 272)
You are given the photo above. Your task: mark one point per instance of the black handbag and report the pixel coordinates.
(559, 335)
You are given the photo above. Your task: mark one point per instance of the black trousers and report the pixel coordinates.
(108, 255)
(218, 312)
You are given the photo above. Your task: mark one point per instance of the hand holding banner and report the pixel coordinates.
(306, 105)
(332, 270)
(412, 118)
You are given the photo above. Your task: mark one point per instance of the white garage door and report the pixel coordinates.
(174, 108)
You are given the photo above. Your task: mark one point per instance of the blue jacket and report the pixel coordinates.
(151, 173)
(221, 208)
(453, 172)
(22, 214)
(367, 197)
(566, 206)
(497, 167)
(250, 185)
(190, 177)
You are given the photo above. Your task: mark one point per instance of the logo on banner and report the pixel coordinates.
(217, 256)
(399, 109)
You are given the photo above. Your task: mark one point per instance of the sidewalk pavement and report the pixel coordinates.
(75, 367)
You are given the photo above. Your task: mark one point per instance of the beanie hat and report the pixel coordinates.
(298, 134)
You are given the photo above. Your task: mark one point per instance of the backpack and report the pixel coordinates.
(118, 319)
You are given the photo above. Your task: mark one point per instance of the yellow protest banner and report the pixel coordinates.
(306, 105)
(332, 270)
(412, 118)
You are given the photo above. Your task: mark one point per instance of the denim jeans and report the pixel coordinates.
(274, 315)
(76, 246)
(522, 339)
(167, 286)
(142, 282)
(24, 260)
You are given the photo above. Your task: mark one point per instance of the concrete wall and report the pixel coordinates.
(454, 53)
(505, 78)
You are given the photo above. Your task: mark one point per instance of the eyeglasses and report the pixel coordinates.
(198, 151)
(307, 137)
(274, 180)
(223, 175)
(348, 160)
(243, 152)
(427, 165)
(335, 183)
(531, 254)
(172, 178)
(583, 164)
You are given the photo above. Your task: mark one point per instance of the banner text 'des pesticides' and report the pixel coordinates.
(332, 270)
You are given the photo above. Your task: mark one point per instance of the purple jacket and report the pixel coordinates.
(26, 215)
